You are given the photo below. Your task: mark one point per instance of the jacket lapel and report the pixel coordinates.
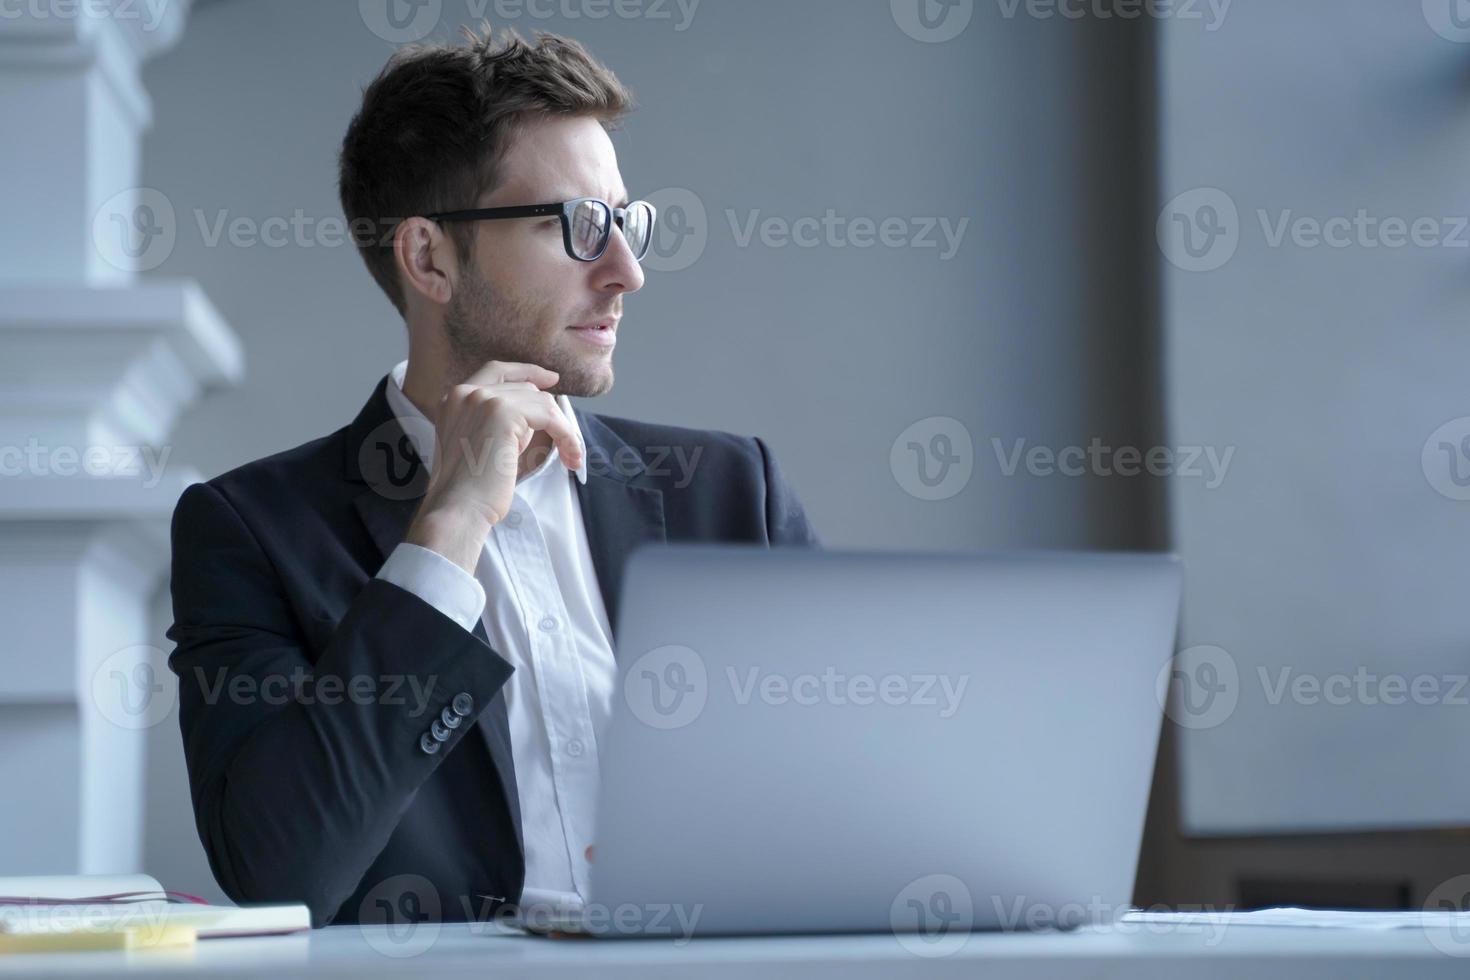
(619, 510)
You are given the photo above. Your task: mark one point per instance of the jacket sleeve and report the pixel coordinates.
(786, 521)
(299, 769)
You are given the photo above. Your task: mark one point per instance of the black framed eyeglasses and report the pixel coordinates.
(586, 223)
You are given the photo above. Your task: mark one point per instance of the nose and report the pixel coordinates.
(617, 270)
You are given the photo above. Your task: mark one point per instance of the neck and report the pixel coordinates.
(424, 385)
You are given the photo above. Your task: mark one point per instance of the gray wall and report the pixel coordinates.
(1327, 552)
(1038, 328)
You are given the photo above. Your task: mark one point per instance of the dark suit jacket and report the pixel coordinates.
(307, 687)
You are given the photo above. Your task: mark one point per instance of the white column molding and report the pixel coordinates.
(96, 366)
(74, 109)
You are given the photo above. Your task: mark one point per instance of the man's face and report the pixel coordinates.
(523, 298)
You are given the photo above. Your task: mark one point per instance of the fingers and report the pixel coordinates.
(499, 372)
(547, 415)
(525, 410)
(514, 393)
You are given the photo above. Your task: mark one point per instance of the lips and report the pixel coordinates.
(603, 334)
(603, 323)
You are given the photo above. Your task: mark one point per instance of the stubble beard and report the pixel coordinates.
(481, 325)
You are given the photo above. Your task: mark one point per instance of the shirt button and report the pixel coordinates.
(513, 519)
(428, 744)
(575, 747)
(547, 624)
(463, 704)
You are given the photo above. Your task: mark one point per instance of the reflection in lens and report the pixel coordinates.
(639, 227)
(589, 225)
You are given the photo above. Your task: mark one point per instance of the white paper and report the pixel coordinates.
(1311, 918)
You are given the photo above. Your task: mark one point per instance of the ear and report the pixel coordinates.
(425, 258)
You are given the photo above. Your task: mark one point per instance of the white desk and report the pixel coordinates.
(484, 951)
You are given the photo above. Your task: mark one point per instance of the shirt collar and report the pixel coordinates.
(420, 430)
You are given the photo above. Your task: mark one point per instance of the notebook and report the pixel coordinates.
(103, 903)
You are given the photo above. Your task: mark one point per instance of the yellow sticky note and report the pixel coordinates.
(82, 940)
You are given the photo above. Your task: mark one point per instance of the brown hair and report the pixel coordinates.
(435, 125)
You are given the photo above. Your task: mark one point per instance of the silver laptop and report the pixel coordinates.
(818, 741)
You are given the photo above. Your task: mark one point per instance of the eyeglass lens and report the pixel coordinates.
(590, 220)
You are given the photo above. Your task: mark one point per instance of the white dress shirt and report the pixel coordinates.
(536, 591)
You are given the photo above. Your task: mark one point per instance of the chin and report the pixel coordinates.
(584, 381)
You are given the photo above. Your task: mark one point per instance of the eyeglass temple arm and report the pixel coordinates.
(476, 214)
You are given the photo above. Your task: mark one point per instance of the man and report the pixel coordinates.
(395, 643)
